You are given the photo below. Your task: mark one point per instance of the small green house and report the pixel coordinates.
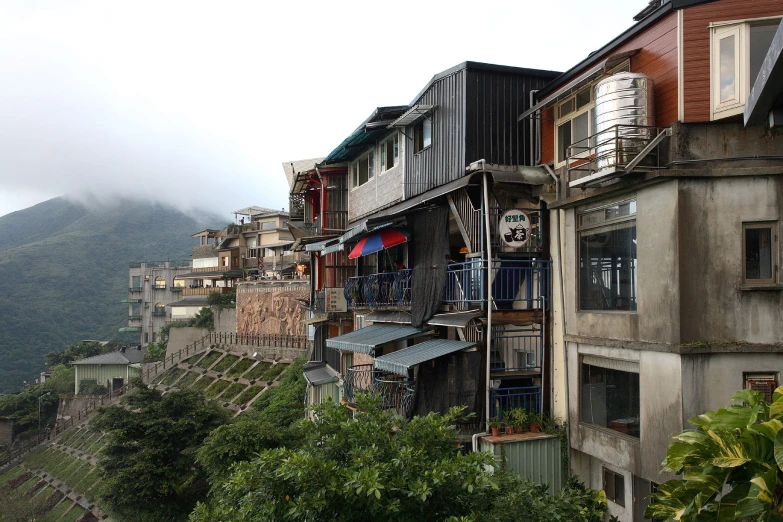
(112, 369)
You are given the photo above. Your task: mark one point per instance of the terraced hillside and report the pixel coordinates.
(232, 380)
(56, 483)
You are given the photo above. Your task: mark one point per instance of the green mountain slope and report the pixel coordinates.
(64, 269)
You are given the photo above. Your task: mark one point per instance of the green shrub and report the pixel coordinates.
(258, 370)
(216, 389)
(225, 363)
(232, 391)
(248, 394)
(240, 367)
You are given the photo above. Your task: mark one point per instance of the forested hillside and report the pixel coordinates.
(64, 271)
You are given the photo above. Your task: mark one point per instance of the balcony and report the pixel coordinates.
(620, 149)
(395, 392)
(206, 290)
(158, 287)
(176, 289)
(517, 349)
(159, 313)
(516, 285)
(134, 289)
(134, 317)
(389, 289)
(501, 400)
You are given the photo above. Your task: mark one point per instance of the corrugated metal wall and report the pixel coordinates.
(538, 459)
(106, 372)
(444, 160)
(494, 101)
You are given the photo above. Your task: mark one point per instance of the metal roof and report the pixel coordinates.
(199, 300)
(389, 316)
(292, 168)
(255, 211)
(458, 319)
(319, 373)
(401, 361)
(412, 115)
(765, 93)
(130, 356)
(365, 340)
(365, 134)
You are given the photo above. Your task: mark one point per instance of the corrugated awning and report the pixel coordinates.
(389, 316)
(366, 340)
(129, 329)
(131, 301)
(316, 319)
(401, 361)
(591, 74)
(319, 373)
(458, 319)
(412, 115)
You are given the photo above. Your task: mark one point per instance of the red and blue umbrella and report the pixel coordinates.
(377, 241)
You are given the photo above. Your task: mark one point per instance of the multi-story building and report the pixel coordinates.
(265, 243)
(151, 288)
(440, 188)
(667, 148)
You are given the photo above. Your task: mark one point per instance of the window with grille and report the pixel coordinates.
(765, 383)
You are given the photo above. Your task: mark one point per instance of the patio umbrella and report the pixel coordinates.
(377, 241)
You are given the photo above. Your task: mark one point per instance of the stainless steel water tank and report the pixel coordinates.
(624, 99)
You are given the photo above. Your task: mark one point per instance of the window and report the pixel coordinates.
(738, 50)
(575, 123)
(159, 311)
(614, 487)
(390, 152)
(224, 261)
(269, 225)
(363, 170)
(160, 282)
(765, 383)
(610, 394)
(759, 252)
(269, 252)
(136, 282)
(607, 258)
(347, 361)
(422, 135)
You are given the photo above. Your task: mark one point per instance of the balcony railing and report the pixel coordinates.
(176, 288)
(502, 400)
(387, 289)
(515, 284)
(133, 289)
(159, 287)
(159, 313)
(517, 348)
(206, 290)
(618, 149)
(133, 317)
(395, 392)
(522, 283)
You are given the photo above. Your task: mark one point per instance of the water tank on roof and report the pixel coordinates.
(623, 106)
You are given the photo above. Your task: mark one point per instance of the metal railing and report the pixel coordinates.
(513, 281)
(176, 288)
(159, 313)
(206, 290)
(517, 348)
(620, 147)
(502, 400)
(134, 289)
(395, 392)
(134, 317)
(385, 289)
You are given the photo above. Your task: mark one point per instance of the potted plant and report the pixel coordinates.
(535, 422)
(518, 418)
(509, 426)
(494, 425)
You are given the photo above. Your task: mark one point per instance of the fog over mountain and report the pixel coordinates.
(197, 104)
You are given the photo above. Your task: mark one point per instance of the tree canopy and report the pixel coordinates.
(148, 467)
(731, 465)
(373, 465)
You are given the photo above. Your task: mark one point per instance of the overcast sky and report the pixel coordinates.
(198, 103)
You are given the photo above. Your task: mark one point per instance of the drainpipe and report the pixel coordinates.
(489, 290)
(531, 124)
(321, 206)
(563, 327)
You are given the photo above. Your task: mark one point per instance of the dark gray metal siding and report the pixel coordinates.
(444, 160)
(494, 101)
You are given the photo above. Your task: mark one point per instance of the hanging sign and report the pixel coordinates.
(514, 228)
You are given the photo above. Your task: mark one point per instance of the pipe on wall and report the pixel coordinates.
(489, 292)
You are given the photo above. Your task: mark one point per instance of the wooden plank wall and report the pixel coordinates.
(696, 46)
(657, 59)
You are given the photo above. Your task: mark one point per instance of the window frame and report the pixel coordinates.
(580, 229)
(609, 475)
(394, 142)
(595, 362)
(588, 108)
(774, 229)
(418, 132)
(368, 156)
(740, 29)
